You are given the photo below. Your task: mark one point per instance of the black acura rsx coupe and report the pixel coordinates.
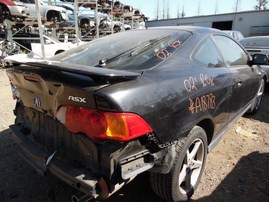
(155, 100)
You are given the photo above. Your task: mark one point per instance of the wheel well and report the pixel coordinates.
(5, 7)
(208, 126)
(83, 22)
(265, 79)
(5, 15)
(51, 13)
(58, 51)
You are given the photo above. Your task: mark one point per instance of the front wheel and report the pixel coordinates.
(182, 180)
(53, 16)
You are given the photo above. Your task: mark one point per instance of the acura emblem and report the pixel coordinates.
(37, 102)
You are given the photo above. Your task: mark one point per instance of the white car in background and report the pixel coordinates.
(51, 46)
(31, 45)
(48, 13)
(237, 35)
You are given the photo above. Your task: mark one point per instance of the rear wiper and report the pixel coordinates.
(149, 45)
(134, 51)
(103, 62)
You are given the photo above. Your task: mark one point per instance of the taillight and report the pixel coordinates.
(103, 125)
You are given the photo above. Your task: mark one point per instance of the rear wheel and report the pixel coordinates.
(182, 180)
(4, 13)
(84, 23)
(117, 28)
(53, 16)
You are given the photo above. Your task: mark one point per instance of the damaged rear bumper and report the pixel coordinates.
(81, 179)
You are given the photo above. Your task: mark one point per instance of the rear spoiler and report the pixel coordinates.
(84, 70)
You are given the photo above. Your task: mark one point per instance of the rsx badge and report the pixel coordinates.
(77, 99)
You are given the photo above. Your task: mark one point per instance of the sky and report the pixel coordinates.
(191, 7)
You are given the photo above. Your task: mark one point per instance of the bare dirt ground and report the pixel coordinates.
(236, 170)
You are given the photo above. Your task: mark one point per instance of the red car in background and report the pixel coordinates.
(12, 9)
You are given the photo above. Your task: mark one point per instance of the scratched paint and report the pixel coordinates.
(167, 52)
(204, 102)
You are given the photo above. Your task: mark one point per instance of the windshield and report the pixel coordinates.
(131, 50)
(255, 42)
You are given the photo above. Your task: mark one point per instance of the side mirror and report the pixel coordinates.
(259, 59)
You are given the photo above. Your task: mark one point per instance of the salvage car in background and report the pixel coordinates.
(156, 100)
(48, 13)
(28, 42)
(31, 43)
(51, 46)
(12, 9)
(258, 44)
(237, 35)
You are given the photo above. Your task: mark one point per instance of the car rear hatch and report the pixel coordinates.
(45, 86)
(41, 89)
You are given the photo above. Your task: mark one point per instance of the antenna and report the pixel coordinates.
(199, 8)
(157, 12)
(178, 13)
(183, 12)
(237, 5)
(168, 9)
(216, 6)
(163, 9)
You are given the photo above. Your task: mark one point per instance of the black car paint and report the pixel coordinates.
(172, 97)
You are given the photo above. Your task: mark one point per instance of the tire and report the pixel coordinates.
(53, 16)
(4, 13)
(116, 28)
(84, 23)
(258, 99)
(182, 180)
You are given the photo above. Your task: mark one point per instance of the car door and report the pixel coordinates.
(50, 47)
(31, 6)
(32, 9)
(208, 55)
(245, 80)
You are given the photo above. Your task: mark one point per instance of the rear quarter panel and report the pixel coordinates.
(175, 97)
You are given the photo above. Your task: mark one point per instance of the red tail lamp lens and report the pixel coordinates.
(73, 119)
(93, 123)
(78, 119)
(105, 125)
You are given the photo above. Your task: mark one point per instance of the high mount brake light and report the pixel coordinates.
(103, 125)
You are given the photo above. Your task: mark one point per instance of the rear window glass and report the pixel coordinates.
(130, 50)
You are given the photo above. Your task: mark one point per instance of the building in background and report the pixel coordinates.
(249, 23)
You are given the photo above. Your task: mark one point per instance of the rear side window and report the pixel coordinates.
(232, 53)
(207, 54)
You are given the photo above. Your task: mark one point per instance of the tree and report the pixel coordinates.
(261, 5)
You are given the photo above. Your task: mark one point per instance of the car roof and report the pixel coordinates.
(189, 28)
(257, 37)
